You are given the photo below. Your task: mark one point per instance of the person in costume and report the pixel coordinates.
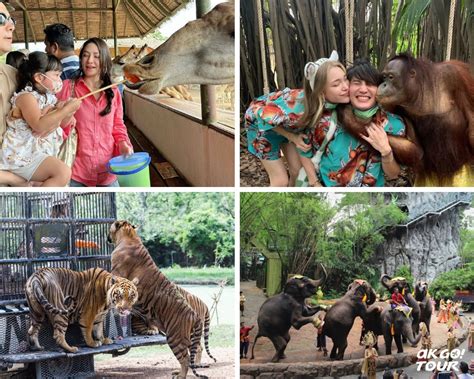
(369, 366)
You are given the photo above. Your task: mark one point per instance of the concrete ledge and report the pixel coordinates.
(328, 368)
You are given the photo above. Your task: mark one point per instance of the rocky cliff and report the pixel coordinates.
(428, 242)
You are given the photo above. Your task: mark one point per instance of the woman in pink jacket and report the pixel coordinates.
(99, 121)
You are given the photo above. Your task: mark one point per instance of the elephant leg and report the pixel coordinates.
(388, 343)
(398, 342)
(333, 351)
(341, 349)
(404, 339)
(280, 345)
(287, 338)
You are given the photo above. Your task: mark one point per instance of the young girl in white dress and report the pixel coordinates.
(34, 136)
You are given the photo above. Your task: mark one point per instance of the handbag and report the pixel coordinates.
(67, 150)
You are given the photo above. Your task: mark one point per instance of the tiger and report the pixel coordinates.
(65, 296)
(198, 306)
(163, 306)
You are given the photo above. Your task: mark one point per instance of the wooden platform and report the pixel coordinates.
(162, 173)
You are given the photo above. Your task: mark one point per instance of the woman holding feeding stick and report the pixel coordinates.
(101, 131)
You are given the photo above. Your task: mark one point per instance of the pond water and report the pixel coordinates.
(226, 305)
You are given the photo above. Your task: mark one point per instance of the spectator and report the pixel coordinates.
(33, 136)
(59, 42)
(464, 368)
(15, 58)
(8, 84)
(244, 339)
(242, 303)
(387, 374)
(321, 338)
(99, 121)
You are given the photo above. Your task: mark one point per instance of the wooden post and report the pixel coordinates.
(114, 21)
(208, 92)
(25, 29)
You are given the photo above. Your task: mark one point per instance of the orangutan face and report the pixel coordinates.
(392, 90)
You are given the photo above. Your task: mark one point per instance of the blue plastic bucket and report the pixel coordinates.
(132, 171)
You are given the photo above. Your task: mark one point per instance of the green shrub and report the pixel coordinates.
(445, 285)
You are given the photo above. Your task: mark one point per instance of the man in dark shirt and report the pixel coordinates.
(59, 42)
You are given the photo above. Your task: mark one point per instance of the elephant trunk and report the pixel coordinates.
(408, 333)
(386, 281)
(322, 279)
(372, 297)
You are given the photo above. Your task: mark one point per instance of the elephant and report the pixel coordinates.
(424, 300)
(404, 288)
(340, 317)
(373, 323)
(280, 312)
(402, 327)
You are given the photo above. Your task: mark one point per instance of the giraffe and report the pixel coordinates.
(201, 52)
(133, 55)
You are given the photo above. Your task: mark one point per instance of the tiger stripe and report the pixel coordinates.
(65, 296)
(162, 306)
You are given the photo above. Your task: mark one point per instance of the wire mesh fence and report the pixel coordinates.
(51, 229)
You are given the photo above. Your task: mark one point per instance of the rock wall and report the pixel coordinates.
(428, 244)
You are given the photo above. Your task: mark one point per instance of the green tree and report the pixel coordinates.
(467, 245)
(445, 285)
(405, 272)
(305, 229)
(199, 226)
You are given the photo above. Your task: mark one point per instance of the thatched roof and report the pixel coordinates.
(92, 18)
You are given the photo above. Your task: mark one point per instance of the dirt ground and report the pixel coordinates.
(252, 173)
(301, 347)
(161, 366)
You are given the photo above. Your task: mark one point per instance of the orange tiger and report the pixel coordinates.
(67, 296)
(162, 304)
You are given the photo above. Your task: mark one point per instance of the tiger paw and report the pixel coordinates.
(73, 349)
(36, 348)
(107, 341)
(94, 344)
(152, 331)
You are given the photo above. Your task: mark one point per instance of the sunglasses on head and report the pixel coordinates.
(4, 19)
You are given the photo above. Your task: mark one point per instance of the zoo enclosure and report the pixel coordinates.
(67, 230)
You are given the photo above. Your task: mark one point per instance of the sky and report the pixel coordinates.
(167, 28)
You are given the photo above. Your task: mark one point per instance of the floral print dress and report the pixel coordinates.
(21, 146)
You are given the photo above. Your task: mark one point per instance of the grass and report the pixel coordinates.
(220, 336)
(200, 275)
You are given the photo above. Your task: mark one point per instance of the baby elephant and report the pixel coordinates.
(280, 312)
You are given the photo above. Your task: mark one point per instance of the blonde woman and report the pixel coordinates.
(274, 122)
